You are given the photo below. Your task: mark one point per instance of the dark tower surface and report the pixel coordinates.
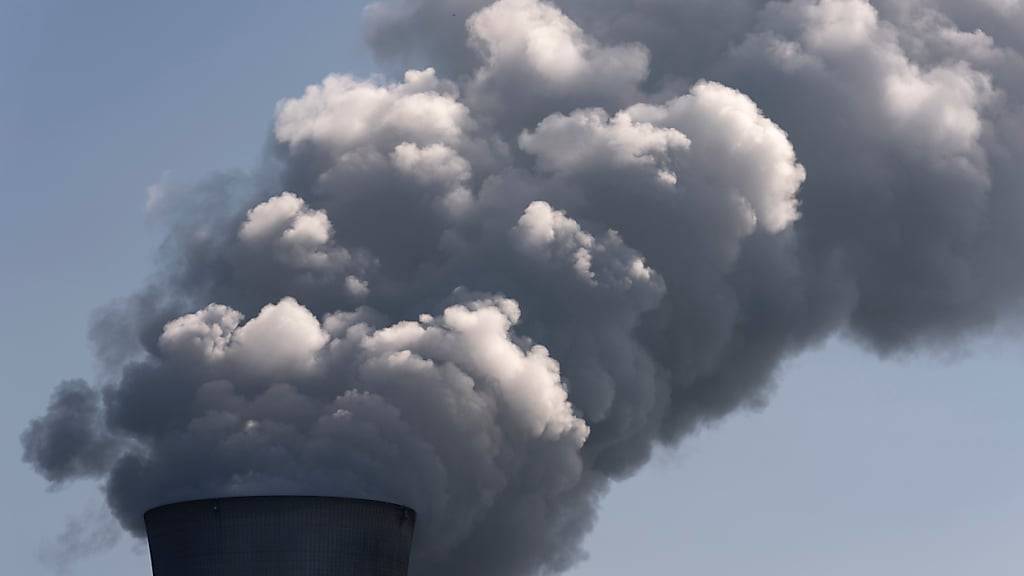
(280, 536)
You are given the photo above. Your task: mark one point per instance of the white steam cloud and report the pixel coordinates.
(489, 287)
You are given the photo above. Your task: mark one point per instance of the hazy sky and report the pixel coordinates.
(908, 465)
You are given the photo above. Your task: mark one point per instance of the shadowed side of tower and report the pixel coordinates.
(280, 536)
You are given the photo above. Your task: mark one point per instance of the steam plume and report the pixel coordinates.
(490, 286)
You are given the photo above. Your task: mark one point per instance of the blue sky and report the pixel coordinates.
(908, 465)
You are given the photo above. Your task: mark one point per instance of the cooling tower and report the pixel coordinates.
(280, 536)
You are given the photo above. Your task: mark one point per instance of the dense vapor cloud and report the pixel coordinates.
(70, 440)
(916, 196)
(488, 286)
(906, 115)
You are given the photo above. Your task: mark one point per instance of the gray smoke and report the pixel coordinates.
(489, 286)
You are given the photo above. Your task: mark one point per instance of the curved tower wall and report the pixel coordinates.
(280, 536)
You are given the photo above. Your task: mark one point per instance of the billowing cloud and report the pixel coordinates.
(284, 226)
(70, 440)
(439, 165)
(282, 341)
(344, 113)
(534, 52)
(736, 150)
(550, 235)
(589, 139)
(937, 110)
(582, 228)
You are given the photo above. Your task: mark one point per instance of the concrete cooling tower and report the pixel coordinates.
(280, 536)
